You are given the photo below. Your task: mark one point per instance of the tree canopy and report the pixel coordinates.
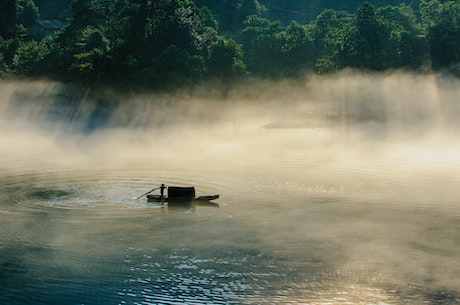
(175, 42)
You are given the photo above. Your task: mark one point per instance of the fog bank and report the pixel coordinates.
(342, 188)
(336, 115)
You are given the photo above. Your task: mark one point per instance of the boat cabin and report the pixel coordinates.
(181, 194)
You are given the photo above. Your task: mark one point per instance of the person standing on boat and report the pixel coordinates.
(162, 191)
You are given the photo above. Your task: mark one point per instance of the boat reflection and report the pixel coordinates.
(190, 206)
(185, 205)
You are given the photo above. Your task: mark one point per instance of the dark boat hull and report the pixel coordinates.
(157, 198)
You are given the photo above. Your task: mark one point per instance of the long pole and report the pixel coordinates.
(147, 192)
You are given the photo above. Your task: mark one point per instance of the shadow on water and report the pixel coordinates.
(40, 194)
(64, 107)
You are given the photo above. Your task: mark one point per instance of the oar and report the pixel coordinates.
(147, 192)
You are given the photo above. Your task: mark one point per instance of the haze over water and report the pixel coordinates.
(334, 190)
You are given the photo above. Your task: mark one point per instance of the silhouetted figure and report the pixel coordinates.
(162, 191)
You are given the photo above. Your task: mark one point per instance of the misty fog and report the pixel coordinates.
(351, 113)
(351, 181)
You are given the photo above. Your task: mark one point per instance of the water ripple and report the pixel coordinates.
(294, 231)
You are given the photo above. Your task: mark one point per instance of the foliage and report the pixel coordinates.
(330, 32)
(85, 12)
(3, 63)
(8, 17)
(442, 22)
(384, 38)
(179, 62)
(403, 45)
(27, 12)
(90, 55)
(297, 49)
(226, 59)
(29, 57)
(183, 41)
(262, 44)
(368, 39)
(325, 65)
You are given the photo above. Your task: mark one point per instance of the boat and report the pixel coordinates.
(158, 198)
(179, 195)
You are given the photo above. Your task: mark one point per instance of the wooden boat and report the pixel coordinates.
(180, 195)
(157, 198)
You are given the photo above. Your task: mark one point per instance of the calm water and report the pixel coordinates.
(311, 215)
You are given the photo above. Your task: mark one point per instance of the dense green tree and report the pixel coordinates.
(123, 36)
(249, 8)
(274, 50)
(181, 41)
(3, 62)
(8, 49)
(211, 4)
(442, 21)
(382, 38)
(29, 57)
(173, 66)
(330, 32)
(207, 18)
(8, 17)
(148, 27)
(85, 12)
(289, 10)
(90, 55)
(172, 59)
(368, 40)
(27, 12)
(178, 62)
(306, 11)
(226, 59)
(430, 11)
(262, 42)
(228, 16)
(325, 66)
(297, 49)
(3, 66)
(402, 43)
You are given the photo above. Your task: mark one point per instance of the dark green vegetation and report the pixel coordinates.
(161, 43)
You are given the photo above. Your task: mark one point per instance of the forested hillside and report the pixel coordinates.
(299, 10)
(176, 42)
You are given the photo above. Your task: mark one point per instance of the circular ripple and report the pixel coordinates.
(289, 231)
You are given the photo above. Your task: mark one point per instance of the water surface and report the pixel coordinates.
(314, 209)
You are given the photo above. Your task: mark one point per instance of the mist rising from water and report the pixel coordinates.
(369, 164)
(367, 114)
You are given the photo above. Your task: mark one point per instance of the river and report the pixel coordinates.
(322, 200)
